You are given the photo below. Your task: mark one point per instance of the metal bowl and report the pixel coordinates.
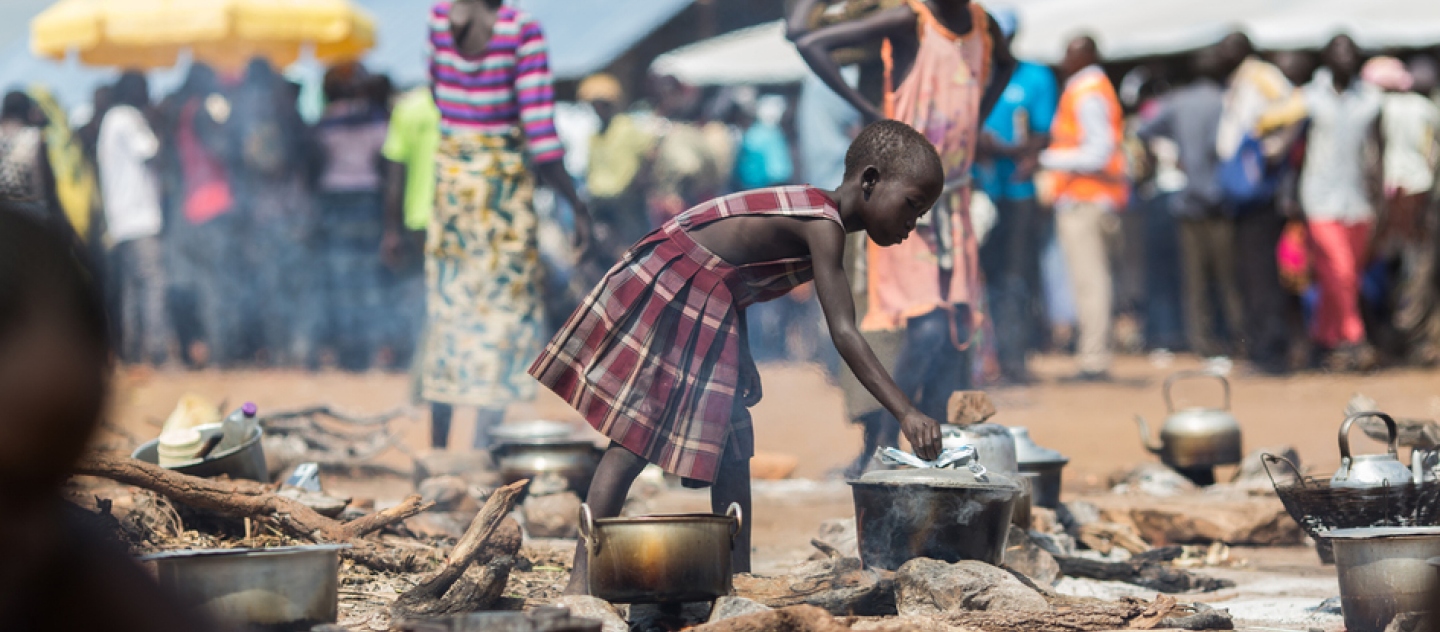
(287, 588)
(540, 430)
(246, 461)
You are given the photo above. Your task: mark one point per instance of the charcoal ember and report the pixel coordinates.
(552, 515)
(449, 493)
(926, 587)
(730, 606)
(587, 607)
(1024, 555)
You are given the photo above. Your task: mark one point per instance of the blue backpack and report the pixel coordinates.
(1247, 179)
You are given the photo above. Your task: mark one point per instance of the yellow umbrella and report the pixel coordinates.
(146, 34)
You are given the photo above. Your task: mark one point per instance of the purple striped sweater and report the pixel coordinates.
(509, 85)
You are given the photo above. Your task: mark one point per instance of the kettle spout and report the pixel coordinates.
(1152, 445)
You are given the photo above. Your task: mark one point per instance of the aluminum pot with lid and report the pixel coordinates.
(660, 559)
(995, 449)
(944, 514)
(1041, 465)
(1383, 572)
(1370, 470)
(1195, 437)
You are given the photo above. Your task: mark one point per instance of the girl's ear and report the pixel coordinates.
(868, 179)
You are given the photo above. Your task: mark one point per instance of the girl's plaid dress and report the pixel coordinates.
(652, 356)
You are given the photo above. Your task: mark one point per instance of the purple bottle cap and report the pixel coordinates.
(249, 409)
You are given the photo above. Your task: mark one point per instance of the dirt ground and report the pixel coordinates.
(803, 416)
(803, 412)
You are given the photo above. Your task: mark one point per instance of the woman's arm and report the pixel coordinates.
(827, 250)
(816, 47)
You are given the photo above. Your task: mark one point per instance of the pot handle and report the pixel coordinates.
(587, 528)
(739, 516)
(1345, 433)
(1189, 375)
(1266, 459)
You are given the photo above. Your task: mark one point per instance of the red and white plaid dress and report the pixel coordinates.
(652, 357)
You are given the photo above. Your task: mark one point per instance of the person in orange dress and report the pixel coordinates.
(946, 64)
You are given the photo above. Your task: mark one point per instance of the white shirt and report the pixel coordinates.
(128, 185)
(1332, 183)
(1409, 123)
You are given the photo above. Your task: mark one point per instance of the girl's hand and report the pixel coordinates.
(923, 434)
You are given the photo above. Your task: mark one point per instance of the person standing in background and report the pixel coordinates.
(1409, 123)
(1254, 87)
(618, 152)
(492, 83)
(763, 158)
(1009, 147)
(126, 151)
(351, 133)
(947, 64)
(411, 141)
(1336, 196)
(1089, 183)
(26, 183)
(1190, 116)
(275, 167)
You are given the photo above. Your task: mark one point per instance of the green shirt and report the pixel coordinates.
(413, 139)
(616, 156)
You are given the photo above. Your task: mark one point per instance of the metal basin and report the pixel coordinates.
(575, 461)
(660, 559)
(244, 462)
(1383, 572)
(288, 588)
(900, 522)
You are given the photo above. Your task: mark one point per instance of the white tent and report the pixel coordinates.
(1138, 28)
(756, 55)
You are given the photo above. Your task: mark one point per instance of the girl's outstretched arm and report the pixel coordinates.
(827, 252)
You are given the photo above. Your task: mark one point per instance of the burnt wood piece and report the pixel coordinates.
(1145, 573)
(474, 575)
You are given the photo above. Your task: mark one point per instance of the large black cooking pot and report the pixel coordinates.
(942, 514)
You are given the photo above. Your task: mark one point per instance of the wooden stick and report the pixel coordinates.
(456, 586)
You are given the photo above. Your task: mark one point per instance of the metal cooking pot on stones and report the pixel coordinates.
(995, 449)
(660, 559)
(574, 461)
(1383, 572)
(1195, 437)
(1042, 466)
(287, 588)
(944, 514)
(1370, 470)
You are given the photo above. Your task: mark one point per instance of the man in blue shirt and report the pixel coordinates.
(1008, 151)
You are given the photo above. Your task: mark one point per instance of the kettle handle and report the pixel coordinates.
(1187, 375)
(1345, 433)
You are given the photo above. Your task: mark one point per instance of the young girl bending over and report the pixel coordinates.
(657, 358)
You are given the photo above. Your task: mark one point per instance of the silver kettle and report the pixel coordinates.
(1370, 470)
(1196, 436)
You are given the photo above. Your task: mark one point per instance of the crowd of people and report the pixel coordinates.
(1237, 206)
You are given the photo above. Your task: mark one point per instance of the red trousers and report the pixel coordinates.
(1338, 255)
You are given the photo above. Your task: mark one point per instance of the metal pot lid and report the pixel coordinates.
(1027, 452)
(279, 550)
(973, 430)
(960, 477)
(1366, 533)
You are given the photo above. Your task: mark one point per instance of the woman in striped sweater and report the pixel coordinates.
(492, 84)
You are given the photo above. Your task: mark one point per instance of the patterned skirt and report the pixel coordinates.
(482, 275)
(652, 358)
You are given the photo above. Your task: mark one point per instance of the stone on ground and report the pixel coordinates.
(1235, 519)
(729, 607)
(587, 607)
(449, 493)
(1027, 557)
(552, 516)
(969, 407)
(475, 466)
(926, 587)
